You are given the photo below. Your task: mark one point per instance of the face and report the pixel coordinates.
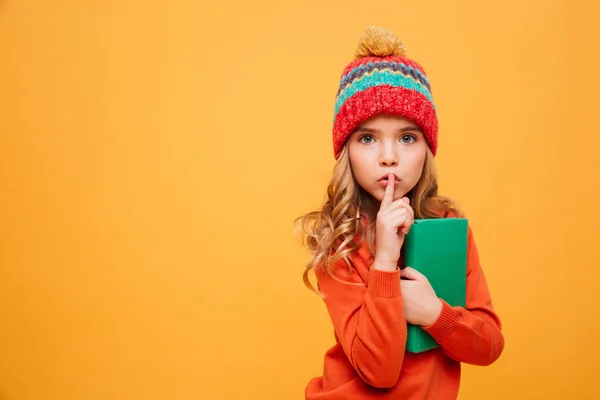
(387, 144)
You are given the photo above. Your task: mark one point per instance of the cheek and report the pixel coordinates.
(360, 153)
(359, 163)
(417, 163)
(356, 159)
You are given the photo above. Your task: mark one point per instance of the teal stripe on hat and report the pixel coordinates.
(369, 67)
(379, 78)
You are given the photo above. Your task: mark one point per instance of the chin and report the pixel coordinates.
(379, 193)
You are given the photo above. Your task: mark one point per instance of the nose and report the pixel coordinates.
(388, 156)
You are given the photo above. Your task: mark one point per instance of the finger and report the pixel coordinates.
(401, 203)
(398, 219)
(405, 203)
(412, 212)
(402, 220)
(409, 222)
(388, 197)
(411, 273)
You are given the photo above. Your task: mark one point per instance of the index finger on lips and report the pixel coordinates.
(389, 192)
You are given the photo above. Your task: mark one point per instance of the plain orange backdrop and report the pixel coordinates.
(153, 156)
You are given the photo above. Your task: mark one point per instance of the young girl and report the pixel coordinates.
(384, 141)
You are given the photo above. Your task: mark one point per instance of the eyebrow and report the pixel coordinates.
(405, 129)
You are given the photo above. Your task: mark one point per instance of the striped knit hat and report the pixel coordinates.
(382, 80)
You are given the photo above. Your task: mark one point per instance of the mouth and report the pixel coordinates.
(384, 180)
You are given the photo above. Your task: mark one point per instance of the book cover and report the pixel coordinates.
(438, 249)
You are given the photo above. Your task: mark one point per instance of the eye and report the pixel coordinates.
(366, 139)
(408, 139)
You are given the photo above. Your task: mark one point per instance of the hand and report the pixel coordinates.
(421, 304)
(393, 223)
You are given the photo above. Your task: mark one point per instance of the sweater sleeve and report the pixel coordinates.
(368, 319)
(472, 334)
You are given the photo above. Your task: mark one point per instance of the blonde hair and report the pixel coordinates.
(334, 232)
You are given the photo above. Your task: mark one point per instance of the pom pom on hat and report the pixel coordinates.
(379, 42)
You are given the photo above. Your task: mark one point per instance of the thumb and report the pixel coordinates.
(411, 273)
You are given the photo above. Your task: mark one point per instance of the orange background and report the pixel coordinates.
(154, 155)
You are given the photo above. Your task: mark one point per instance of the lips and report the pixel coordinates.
(385, 178)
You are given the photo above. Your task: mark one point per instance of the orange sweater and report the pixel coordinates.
(369, 360)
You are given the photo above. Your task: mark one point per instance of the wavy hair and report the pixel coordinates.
(336, 230)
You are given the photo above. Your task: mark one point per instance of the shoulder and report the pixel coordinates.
(449, 213)
(352, 269)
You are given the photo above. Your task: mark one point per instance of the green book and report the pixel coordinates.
(438, 249)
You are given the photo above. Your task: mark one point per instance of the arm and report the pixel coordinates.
(472, 334)
(368, 320)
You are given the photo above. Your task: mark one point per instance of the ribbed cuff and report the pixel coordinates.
(445, 324)
(384, 283)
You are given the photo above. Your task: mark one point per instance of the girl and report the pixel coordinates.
(384, 141)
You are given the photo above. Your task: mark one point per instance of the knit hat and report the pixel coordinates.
(383, 80)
